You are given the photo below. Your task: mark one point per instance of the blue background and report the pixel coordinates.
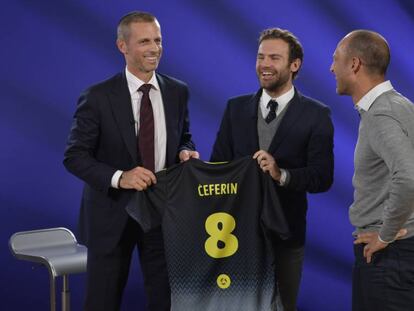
(52, 50)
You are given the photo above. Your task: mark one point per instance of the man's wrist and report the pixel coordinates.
(382, 241)
(283, 177)
(119, 180)
(115, 181)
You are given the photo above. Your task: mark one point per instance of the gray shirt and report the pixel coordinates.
(384, 165)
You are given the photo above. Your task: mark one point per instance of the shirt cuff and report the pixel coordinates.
(385, 242)
(284, 177)
(115, 179)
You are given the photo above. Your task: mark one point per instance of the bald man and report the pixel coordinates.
(383, 207)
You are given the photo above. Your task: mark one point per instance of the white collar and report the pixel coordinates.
(368, 99)
(134, 83)
(282, 100)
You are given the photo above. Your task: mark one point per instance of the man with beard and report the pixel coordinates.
(383, 207)
(291, 136)
(125, 129)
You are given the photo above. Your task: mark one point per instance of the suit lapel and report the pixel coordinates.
(169, 101)
(252, 134)
(293, 112)
(120, 100)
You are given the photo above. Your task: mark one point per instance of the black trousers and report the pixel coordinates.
(107, 274)
(288, 267)
(387, 283)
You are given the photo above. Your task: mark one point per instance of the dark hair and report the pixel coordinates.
(123, 31)
(371, 48)
(295, 47)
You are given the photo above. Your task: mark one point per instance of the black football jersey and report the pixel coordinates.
(217, 219)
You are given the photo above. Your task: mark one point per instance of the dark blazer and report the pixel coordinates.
(303, 145)
(102, 140)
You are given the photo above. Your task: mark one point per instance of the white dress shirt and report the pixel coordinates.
(368, 99)
(160, 130)
(282, 101)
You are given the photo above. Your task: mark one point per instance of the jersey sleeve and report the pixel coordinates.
(147, 207)
(272, 217)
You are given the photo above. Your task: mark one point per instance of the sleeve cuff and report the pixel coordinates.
(284, 177)
(385, 242)
(115, 179)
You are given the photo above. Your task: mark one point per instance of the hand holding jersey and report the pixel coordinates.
(186, 155)
(140, 178)
(268, 164)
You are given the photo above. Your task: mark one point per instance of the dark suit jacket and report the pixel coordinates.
(102, 140)
(303, 145)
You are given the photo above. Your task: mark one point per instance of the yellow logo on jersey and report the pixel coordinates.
(223, 281)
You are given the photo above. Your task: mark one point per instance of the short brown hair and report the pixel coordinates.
(123, 31)
(295, 47)
(371, 48)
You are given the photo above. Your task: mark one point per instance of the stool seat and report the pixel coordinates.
(67, 259)
(58, 250)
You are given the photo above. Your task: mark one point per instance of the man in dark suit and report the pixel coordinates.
(125, 129)
(291, 136)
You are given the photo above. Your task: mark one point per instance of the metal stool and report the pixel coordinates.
(58, 250)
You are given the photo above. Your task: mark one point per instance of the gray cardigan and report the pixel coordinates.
(384, 168)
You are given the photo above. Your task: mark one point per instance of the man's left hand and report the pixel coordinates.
(268, 164)
(186, 155)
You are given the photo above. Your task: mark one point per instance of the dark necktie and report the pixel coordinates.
(146, 129)
(272, 113)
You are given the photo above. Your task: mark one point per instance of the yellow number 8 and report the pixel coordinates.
(220, 226)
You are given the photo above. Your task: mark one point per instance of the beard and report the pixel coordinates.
(278, 82)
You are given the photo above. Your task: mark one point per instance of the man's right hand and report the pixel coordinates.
(138, 178)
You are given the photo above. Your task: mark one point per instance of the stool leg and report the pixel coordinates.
(52, 292)
(65, 294)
